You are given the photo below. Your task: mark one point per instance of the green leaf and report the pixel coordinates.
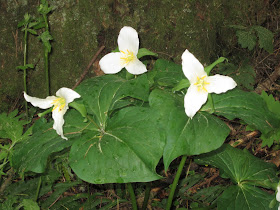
(274, 107)
(144, 52)
(32, 31)
(184, 83)
(32, 154)
(128, 149)
(240, 166)
(11, 127)
(245, 197)
(248, 106)
(246, 171)
(207, 69)
(265, 38)
(244, 74)
(100, 94)
(45, 37)
(29, 204)
(246, 39)
(27, 66)
(44, 8)
(167, 73)
(185, 136)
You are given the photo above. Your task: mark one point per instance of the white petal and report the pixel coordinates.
(192, 68)
(68, 94)
(38, 102)
(111, 63)
(278, 194)
(194, 99)
(59, 121)
(128, 40)
(136, 67)
(220, 84)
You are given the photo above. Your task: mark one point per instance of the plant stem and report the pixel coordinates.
(24, 71)
(175, 182)
(132, 196)
(47, 71)
(38, 188)
(47, 59)
(147, 195)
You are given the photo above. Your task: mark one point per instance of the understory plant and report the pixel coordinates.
(121, 126)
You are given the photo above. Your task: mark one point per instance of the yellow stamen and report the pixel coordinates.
(59, 103)
(201, 83)
(128, 57)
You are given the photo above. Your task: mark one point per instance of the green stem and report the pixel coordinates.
(47, 59)
(24, 71)
(132, 196)
(47, 71)
(175, 182)
(147, 195)
(38, 188)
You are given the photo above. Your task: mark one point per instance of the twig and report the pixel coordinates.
(246, 138)
(88, 67)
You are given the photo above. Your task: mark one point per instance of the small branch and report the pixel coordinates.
(246, 138)
(88, 67)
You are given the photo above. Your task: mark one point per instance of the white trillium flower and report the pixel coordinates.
(128, 43)
(201, 84)
(60, 102)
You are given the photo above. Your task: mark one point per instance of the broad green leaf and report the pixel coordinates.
(265, 38)
(32, 154)
(127, 150)
(247, 172)
(248, 106)
(30, 204)
(100, 94)
(167, 73)
(185, 136)
(144, 52)
(240, 166)
(246, 38)
(245, 197)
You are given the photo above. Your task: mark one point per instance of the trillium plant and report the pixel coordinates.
(170, 111)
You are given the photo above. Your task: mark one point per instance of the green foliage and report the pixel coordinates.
(11, 127)
(46, 37)
(247, 37)
(145, 52)
(181, 132)
(247, 106)
(244, 74)
(246, 172)
(166, 73)
(274, 107)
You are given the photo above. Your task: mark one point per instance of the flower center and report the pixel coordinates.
(59, 103)
(201, 83)
(127, 57)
